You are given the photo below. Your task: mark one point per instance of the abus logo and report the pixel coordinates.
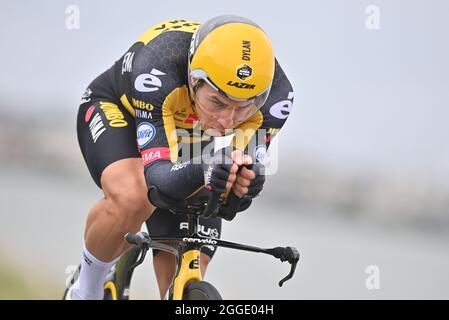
(145, 133)
(197, 240)
(149, 82)
(208, 232)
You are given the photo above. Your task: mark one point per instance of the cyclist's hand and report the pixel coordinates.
(257, 183)
(221, 173)
(245, 175)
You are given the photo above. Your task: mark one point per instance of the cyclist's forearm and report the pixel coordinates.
(176, 181)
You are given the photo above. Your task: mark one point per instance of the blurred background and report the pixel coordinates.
(362, 186)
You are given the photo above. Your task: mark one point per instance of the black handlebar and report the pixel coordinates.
(230, 208)
(213, 208)
(212, 205)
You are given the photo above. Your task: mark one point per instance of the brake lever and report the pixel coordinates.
(142, 241)
(290, 275)
(290, 254)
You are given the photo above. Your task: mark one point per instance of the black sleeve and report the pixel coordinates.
(153, 77)
(177, 181)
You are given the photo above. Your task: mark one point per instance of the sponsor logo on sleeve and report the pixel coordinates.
(127, 62)
(260, 152)
(179, 166)
(113, 114)
(151, 155)
(86, 96)
(149, 82)
(282, 109)
(145, 133)
(89, 113)
(96, 127)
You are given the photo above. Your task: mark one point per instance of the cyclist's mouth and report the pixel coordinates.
(215, 132)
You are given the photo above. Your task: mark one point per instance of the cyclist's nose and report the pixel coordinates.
(226, 123)
(227, 120)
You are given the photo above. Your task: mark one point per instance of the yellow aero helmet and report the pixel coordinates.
(234, 56)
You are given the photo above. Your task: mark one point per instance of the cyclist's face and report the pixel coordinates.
(217, 112)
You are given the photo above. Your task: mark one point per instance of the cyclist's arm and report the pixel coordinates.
(174, 180)
(147, 80)
(158, 146)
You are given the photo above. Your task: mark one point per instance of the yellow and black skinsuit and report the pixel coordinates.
(140, 107)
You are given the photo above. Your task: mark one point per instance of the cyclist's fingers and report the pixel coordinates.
(247, 160)
(234, 168)
(236, 192)
(247, 174)
(236, 156)
(243, 181)
(240, 189)
(232, 178)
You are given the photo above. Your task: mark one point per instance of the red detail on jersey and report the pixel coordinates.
(191, 118)
(209, 187)
(267, 139)
(151, 155)
(89, 113)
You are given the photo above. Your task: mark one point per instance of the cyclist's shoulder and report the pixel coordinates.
(168, 30)
(159, 67)
(164, 46)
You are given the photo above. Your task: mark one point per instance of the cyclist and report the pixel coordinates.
(179, 85)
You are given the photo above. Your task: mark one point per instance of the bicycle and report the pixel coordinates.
(187, 283)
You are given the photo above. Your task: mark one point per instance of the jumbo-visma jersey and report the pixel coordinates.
(151, 81)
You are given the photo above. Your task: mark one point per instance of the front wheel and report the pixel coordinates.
(200, 290)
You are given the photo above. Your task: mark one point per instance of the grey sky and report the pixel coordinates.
(374, 99)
